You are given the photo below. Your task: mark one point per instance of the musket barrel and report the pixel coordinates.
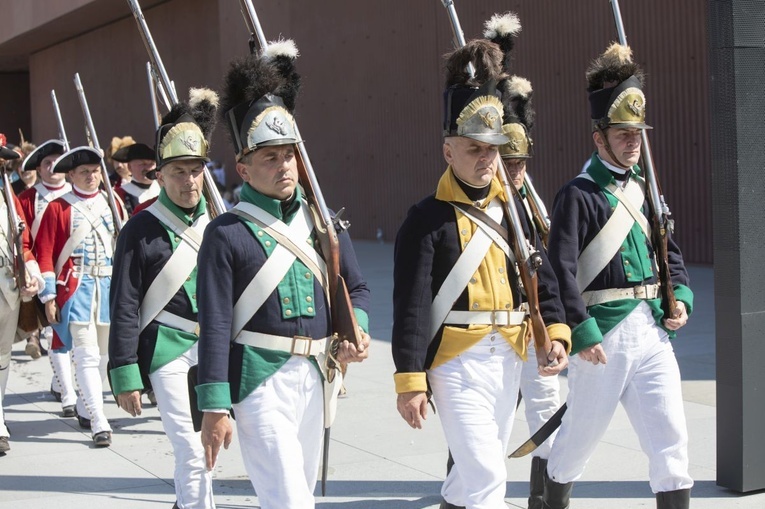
(151, 48)
(90, 131)
(155, 115)
(59, 120)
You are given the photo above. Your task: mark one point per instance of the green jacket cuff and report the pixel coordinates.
(213, 396)
(362, 318)
(126, 378)
(685, 294)
(585, 335)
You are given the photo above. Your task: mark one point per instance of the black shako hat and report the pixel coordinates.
(472, 106)
(35, 158)
(258, 98)
(76, 157)
(186, 129)
(615, 87)
(134, 152)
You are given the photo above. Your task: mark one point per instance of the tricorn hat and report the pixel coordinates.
(6, 152)
(49, 148)
(134, 152)
(185, 131)
(473, 108)
(258, 98)
(518, 116)
(76, 157)
(616, 90)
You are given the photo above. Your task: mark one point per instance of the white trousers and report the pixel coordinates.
(475, 395)
(541, 399)
(9, 318)
(281, 427)
(61, 363)
(89, 355)
(643, 375)
(193, 483)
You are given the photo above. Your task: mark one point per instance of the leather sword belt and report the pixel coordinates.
(501, 317)
(642, 292)
(177, 322)
(94, 270)
(295, 345)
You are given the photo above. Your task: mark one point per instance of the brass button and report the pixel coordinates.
(194, 296)
(188, 279)
(260, 233)
(177, 239)
(309, 299)
(629, 274)
(286, 300)
(310, 309)
(288, 312)
(308, 275)
(626, 262)
(267, 243)
(475, 305)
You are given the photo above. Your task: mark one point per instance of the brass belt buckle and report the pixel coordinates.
(641, 292)
(306, 349)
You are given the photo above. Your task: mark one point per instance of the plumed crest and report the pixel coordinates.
(248, 79)
(516, 100)
(202, 106)
(502, 29)
(281, 48)
(612, 67)
(486, 58)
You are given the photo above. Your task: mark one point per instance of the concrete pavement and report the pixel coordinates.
(377, 461)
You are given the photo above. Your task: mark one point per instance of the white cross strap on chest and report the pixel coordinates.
(276, 266)
(93, 222)
(178, 267)
(601, 250)
(46, 196)
(140, 193)
(492, 231)
(466, 265)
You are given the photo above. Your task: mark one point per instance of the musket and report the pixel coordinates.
(661, 225)
(344, 323)
(59, 121)
(528, 259)
(538, 210)
(90, 132)
(156, 115)
(170, 98)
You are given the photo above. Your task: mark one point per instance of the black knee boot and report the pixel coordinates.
(678, 499)
(556, 495)
(537, 482)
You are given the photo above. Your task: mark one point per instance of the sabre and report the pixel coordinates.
(662, 224)
(59, 121)
(528, 259)
(90, 132)
(169, 97)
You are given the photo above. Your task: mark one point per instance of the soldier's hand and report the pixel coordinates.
(413, 407)
(557, 360)
(216, 431)
(30, 289)
(348, 352)
(51, 311)
(680, 318)
(594, 354)
(130, 402)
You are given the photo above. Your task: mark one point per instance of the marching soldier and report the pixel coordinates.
(12, 291)
(140, 160)
(600, 247)
(75, 248)
(34, 201)
(263, 306)
(459, 331)
(154, 332)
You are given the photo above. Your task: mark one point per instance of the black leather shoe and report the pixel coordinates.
(678, 499)
(447, 505)
(103, 439)
(56, 395)
(4, 445)
(69, 411)
(84, 423)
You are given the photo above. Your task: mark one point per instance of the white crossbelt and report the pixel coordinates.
(93, 223)
(601, 250)
(643, 292)
(177, 322)
(296, 345)
(502, 317)
(463, 270)
(93, 270)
